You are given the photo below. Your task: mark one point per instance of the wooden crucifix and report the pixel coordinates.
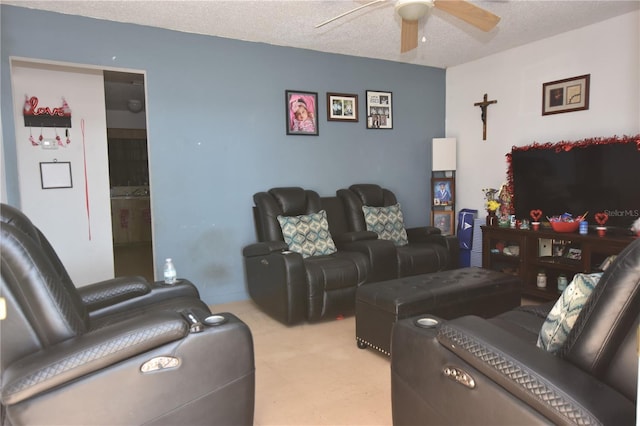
(483, 106)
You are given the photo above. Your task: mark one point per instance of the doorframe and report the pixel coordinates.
(46, 63)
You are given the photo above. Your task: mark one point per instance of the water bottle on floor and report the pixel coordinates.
(169, 272)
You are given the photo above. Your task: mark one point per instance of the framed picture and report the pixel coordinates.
(442, 191)
(379, 110)
(570, 94)
(443, 220)
(573, 253)
(301, 112)
(342, 107)
(54, 175)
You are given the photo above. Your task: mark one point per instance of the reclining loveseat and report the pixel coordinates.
(493, 371)
(118, 358)
(309, 261)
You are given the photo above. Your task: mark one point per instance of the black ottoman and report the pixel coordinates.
(446, 294)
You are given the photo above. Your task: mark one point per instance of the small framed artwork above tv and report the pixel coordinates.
(570, 94)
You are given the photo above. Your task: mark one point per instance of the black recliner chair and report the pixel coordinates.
(427, 251)
(489, 371)
(292, 288)
(107, 297)
(166, 362)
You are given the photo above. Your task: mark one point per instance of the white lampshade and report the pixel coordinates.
(443, 154)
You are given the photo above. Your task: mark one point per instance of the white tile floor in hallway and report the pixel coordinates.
(314, 374)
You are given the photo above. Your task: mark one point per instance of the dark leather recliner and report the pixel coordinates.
(155, 363)
(476, 371)
(427, 250)
(106, 297)
(291, 288)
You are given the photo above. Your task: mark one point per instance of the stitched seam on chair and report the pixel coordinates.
(93, 353)
(519, 375)
(114, 292)
(73, 322)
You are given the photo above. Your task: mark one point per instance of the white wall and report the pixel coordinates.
(62, 214)
(609, 51)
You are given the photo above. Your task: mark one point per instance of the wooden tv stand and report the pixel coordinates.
(525, 253)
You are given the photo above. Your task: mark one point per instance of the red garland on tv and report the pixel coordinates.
(565, 146)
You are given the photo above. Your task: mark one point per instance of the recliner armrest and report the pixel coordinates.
(264, 248)
(430, 234)
(421, 234)
(551, 385)
(112, 291)
(77, 357)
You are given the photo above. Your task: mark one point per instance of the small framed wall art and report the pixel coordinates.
(570, 94)
(379, 110)
(443, 220)
(55, 175)
(301, 113)
(342, 107)
(442, 191)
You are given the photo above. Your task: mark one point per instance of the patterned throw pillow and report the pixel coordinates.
(387, 222)
(563, 315)
(307, 234)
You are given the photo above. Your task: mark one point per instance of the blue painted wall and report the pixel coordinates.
(216, 129)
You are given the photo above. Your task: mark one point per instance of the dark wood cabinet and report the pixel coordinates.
(526, 253)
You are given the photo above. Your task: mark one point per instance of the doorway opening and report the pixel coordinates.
(129, 174)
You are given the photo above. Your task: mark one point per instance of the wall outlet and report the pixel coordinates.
(48, 143)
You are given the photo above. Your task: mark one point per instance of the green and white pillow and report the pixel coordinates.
(308, 234)
(563, 315)
(387, 222)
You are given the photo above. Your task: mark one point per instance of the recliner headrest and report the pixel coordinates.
(296, 201)
(370, 194)
(14, 217)
(609, 312)
(373, 195)
(55, 312)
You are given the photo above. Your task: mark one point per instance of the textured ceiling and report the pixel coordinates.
(373, 32)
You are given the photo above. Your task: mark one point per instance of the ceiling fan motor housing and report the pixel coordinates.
(413, 10)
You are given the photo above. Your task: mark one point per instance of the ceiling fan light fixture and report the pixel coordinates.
(134, 105)
(413, 10)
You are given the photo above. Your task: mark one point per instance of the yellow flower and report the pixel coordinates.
(493, 205)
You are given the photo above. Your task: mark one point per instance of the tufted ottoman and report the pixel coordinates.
(446, 294)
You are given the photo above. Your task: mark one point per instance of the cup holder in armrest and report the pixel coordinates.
(426, 322)
(215, 320)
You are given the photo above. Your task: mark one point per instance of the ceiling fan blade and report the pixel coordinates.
(468, 12)
(349, 12)
(408, 36)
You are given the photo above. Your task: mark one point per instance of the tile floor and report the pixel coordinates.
(314, 374)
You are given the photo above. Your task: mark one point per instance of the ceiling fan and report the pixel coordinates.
(411, 11)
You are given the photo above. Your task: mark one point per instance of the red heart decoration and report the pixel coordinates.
(601, 218)
(535, 215)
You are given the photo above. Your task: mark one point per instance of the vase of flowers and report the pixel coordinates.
(492, 206)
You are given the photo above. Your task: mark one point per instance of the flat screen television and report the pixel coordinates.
(595, 175)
